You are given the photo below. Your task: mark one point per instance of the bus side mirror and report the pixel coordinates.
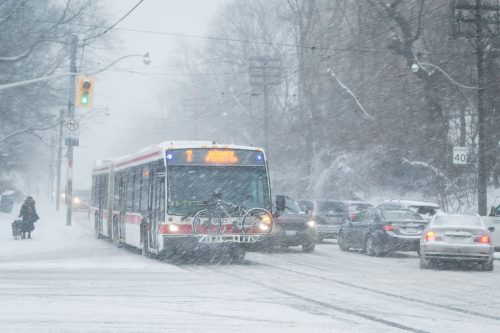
(280, 203)
(492, 211)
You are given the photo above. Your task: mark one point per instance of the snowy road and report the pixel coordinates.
(66, 281)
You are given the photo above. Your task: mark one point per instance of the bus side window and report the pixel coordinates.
(144, 188)
(162, 199)
(116, 190)
(137, 190)
(130, 192)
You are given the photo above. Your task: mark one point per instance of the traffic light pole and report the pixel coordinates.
(71, 116)
(59, 159)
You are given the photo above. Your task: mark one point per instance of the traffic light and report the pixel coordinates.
(84, 92)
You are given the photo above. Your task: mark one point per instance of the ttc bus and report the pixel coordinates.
(148, 199)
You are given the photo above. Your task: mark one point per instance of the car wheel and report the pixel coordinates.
(370, 247)
(308, 247)
(487, 266)
(424, 263)
(342, 242)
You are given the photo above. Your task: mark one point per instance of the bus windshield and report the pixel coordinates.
(189, 186)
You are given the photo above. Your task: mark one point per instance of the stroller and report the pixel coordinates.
(17, 229)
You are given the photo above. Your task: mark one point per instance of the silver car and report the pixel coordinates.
(457, 237)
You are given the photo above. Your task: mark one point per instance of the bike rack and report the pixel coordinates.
(229, 238)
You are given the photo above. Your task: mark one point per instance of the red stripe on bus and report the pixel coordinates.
(187, 229)
(137, 159)
(133, 218)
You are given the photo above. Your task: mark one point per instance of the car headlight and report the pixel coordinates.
(76, 200)
(311, 223)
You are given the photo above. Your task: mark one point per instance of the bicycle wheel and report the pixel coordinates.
(206, 222)
(257, 221)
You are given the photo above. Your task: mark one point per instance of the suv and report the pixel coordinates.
(425, 209)
(329, 215)
(292, 227)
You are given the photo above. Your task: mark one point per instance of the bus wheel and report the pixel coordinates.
(237, 253)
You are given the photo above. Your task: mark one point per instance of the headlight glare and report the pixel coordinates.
(311, 223)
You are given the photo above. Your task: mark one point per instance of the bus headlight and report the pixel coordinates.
(263, 227)
(76, 200)
(173, 228)
(266, 219)
(311, 223)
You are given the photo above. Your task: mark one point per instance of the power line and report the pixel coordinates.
(122, 18)
(248, 41)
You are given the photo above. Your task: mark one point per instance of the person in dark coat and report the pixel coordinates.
(29, 217)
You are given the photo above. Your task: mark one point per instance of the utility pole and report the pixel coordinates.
(51, 168)
(59, 159)
(482, 174)
(194, 108)
(471, 18)
(264, 72)
(71, 117)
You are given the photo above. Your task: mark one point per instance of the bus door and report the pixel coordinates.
(102, 195)
(156, 192)
(122, 206)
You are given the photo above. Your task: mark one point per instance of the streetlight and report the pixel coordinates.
(145, 59)
(415, 67)
(71, 115)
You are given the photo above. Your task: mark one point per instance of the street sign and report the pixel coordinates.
(72, 133)
(459, 155)
(72, 125)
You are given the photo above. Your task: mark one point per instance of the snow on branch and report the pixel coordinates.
(30, 129)
(425, 165)
(349, 91)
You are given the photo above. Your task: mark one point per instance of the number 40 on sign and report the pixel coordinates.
(459, 155)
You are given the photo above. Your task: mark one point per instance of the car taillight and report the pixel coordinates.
(484, 239)
(390, 227)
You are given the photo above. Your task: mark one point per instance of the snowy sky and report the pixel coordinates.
(128, 97)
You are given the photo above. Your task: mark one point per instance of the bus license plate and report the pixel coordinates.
(290, 232)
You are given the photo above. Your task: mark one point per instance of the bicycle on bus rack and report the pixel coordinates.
(216, 212)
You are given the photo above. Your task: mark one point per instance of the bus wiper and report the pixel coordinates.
(187, 216)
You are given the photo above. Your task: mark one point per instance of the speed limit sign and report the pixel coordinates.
(459, 155)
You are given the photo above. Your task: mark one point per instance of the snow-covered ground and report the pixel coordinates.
(64, 280)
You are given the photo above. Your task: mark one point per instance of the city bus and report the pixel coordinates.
(148, 199)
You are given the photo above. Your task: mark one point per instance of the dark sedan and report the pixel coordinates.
(378, 231)
(292, 227)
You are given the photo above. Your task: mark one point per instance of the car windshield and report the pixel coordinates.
(401, 215)
(190, 186)
(305, 205)
(423, 209)
(358, 207)
(459, 221)
(330, 206)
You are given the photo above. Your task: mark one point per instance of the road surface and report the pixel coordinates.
(64, 280)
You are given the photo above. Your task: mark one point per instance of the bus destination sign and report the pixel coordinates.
(214, 156)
